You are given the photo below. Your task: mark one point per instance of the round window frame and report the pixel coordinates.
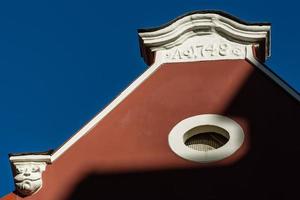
(177, 137)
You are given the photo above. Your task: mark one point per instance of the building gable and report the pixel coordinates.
(203, 62)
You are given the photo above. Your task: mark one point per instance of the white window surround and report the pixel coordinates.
(210, 123)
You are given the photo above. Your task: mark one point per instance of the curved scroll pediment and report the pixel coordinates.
(205, 23)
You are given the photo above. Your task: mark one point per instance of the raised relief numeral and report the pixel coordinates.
(224, 49)
(210, 50)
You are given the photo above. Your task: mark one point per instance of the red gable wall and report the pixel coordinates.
(133, 138)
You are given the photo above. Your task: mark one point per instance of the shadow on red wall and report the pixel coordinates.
(268, 171)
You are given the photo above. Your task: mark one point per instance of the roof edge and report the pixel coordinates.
(250, 56)
(49, 152)
(219, 12)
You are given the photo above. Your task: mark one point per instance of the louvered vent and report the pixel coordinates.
(206, 141)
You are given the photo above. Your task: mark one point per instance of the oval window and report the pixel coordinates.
(206, 138)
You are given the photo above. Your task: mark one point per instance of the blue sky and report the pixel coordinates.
(61, 62)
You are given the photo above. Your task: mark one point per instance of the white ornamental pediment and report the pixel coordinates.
(204, 35)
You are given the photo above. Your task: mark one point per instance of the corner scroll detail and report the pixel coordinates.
(28, 176)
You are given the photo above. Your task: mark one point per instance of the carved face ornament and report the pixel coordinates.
(28, 177)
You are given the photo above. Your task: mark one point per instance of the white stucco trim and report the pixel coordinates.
(31, 158)
(176, 137)
(205, 23)
(251, 58)
(107, 110)
(203, 48)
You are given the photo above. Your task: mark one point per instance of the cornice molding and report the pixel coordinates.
(204, 23)
(31, 158)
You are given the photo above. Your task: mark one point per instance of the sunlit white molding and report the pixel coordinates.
(88, 127)
(203, 23)
(203, 48)
(28, 176)
(30, 158)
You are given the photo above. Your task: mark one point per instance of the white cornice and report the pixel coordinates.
(31, 158)
(204, 24)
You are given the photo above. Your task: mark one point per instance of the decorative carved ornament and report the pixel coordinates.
(200, 25)
(28, 176)
(27, 172)
(208, 47)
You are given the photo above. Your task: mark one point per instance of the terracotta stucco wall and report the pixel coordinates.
(132, 139)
